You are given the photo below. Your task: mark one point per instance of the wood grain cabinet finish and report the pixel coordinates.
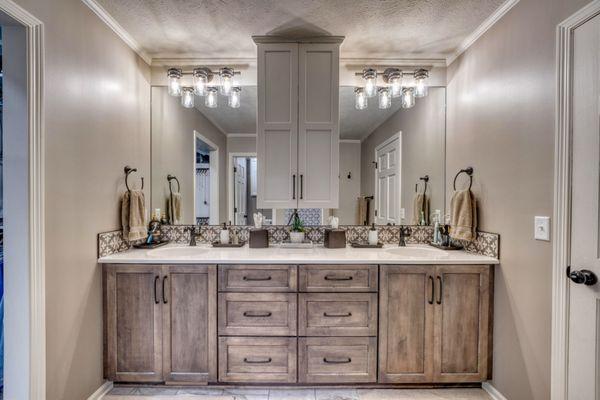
(256, 360)
(337, 314)
(258, 278)
(337, 359)
(338, 278)
(257, 314)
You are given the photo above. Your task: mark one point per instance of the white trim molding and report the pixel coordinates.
(101, 391)
(481, 29)
(562, 199)
(350, 141)
(492, 391)
(241, 135)
(118, 29)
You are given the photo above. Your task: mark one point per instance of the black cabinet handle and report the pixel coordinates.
(334, 315)
(337, 361)
(439, 300)
(156, 301)
(301, 186)
(258, 361)
(431, 295)
(337, 278)
(251, 279)
(257, 314)
(163, 290)
(294, 187)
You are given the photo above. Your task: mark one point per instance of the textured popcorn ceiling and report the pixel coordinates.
(373, 28)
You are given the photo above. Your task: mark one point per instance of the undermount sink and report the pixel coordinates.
(176, 252)
(420, 251)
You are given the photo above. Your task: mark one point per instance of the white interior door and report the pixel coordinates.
(584, 302)
(239, 181)
(387, 182)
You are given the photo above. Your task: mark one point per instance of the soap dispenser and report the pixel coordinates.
(224, 235)
(373, 235)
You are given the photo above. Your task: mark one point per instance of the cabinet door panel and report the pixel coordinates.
(406, 324)
(190, 324)
(133, 324)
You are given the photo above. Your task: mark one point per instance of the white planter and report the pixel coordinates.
(296, 237)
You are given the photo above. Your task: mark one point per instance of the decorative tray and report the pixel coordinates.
(358, 245)
(451, 247)
(219, 244)
(148, 246)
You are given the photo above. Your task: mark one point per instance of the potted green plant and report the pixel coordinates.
(297, 233)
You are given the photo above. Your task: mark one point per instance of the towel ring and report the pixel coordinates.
(425, 179)
(468, 171)
(128, 170)
(170, 178)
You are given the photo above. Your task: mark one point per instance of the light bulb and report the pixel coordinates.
(360, 99)
(393, 77)
(421, 89)
(174, 81)
(226, 75)
(211, 100)
(408, 97)
(385, 101)
(370, 77)
(187, 97)
(234, 97)
(199, 80)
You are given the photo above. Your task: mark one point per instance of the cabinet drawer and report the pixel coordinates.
(337, 359)
(339, 278)
(257, 278)
(257, 314)
(245, 359)
(337, 314)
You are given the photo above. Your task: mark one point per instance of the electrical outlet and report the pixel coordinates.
(542, 228)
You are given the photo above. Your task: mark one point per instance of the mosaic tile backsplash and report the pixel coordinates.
(487, 244)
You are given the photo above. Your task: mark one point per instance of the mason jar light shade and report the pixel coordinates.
(360, 99)
(421, 89)
(370, 77)
(226, 77)
(199, 81)
(187, 97)
(174, 81)
(234, 97)
(212, 99)
(408, 97)
(385, 99)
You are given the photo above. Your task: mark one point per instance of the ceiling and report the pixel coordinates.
(373, 28)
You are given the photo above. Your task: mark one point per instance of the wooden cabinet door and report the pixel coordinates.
(318, 126)
(277, 125)
(462, 323)
(406, 323)
(190, 323)
(132, 323)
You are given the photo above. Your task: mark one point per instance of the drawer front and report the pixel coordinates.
(337, 359)
(258, 278)
(339, 278)
(257, 314)
(337, 314)
(247, 359)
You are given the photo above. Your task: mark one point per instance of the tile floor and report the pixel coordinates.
(150, 393)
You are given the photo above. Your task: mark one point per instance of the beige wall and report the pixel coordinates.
(501, 95)
(423, 142)
(241, 144)
(97, 120)
(173, 129)
(349, 188)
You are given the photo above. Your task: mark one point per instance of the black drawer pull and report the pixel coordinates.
(333, 315)
(258, 314)
(156, 279)
(338, 361)
(257, 279)
(258, 361)
(337, 278)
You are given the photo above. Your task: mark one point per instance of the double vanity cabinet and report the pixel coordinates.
(297, 324)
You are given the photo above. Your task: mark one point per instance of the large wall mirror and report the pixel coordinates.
(389, 158)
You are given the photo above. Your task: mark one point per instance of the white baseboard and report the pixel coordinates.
(101, 391)
(492, 391)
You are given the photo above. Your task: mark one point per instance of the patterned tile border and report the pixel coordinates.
(487, 244)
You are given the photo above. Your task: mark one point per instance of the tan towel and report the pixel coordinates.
(463, 218)
(420, 204)
(175, 208)
(133, 215)
(362, 211)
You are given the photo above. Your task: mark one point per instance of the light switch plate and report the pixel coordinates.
(542, 228)
(402, 213)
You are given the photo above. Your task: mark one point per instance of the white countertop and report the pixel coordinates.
(205, 254)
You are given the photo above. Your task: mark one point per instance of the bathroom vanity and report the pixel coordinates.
(413, 315)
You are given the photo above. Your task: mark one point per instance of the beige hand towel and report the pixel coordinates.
(175, 208)
(362, 211)
(133, 215)
(463, 218)
(420, 204)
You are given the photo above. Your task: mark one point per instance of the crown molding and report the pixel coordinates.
(118, 29)
(481, 29)
(241, 135)
(436, 60)
(262, 39)
(350, 141)
(234, 62)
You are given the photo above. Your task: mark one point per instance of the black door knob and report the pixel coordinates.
(583, 276)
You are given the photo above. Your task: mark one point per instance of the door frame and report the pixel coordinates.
(230, 199)
(213, 218)
(562, 198)
(387, 141)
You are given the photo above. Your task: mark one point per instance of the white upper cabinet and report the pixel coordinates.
(298, 123)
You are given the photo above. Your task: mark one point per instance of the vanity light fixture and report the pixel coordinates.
(234, 97)
(360, 101)
(421, 76)
(202, 77)
(174, 81)
(187, 97)
(226, 75)
(408, 97)
(393, 77)
(370, 77)
(211, 100)
(385, 100)
(394, 85)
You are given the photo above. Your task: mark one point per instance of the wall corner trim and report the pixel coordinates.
(118, 29)
(101, 391)
(492, 391)
(481, 29)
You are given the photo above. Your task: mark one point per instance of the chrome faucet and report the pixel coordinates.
(403, 233)
(192, 230)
